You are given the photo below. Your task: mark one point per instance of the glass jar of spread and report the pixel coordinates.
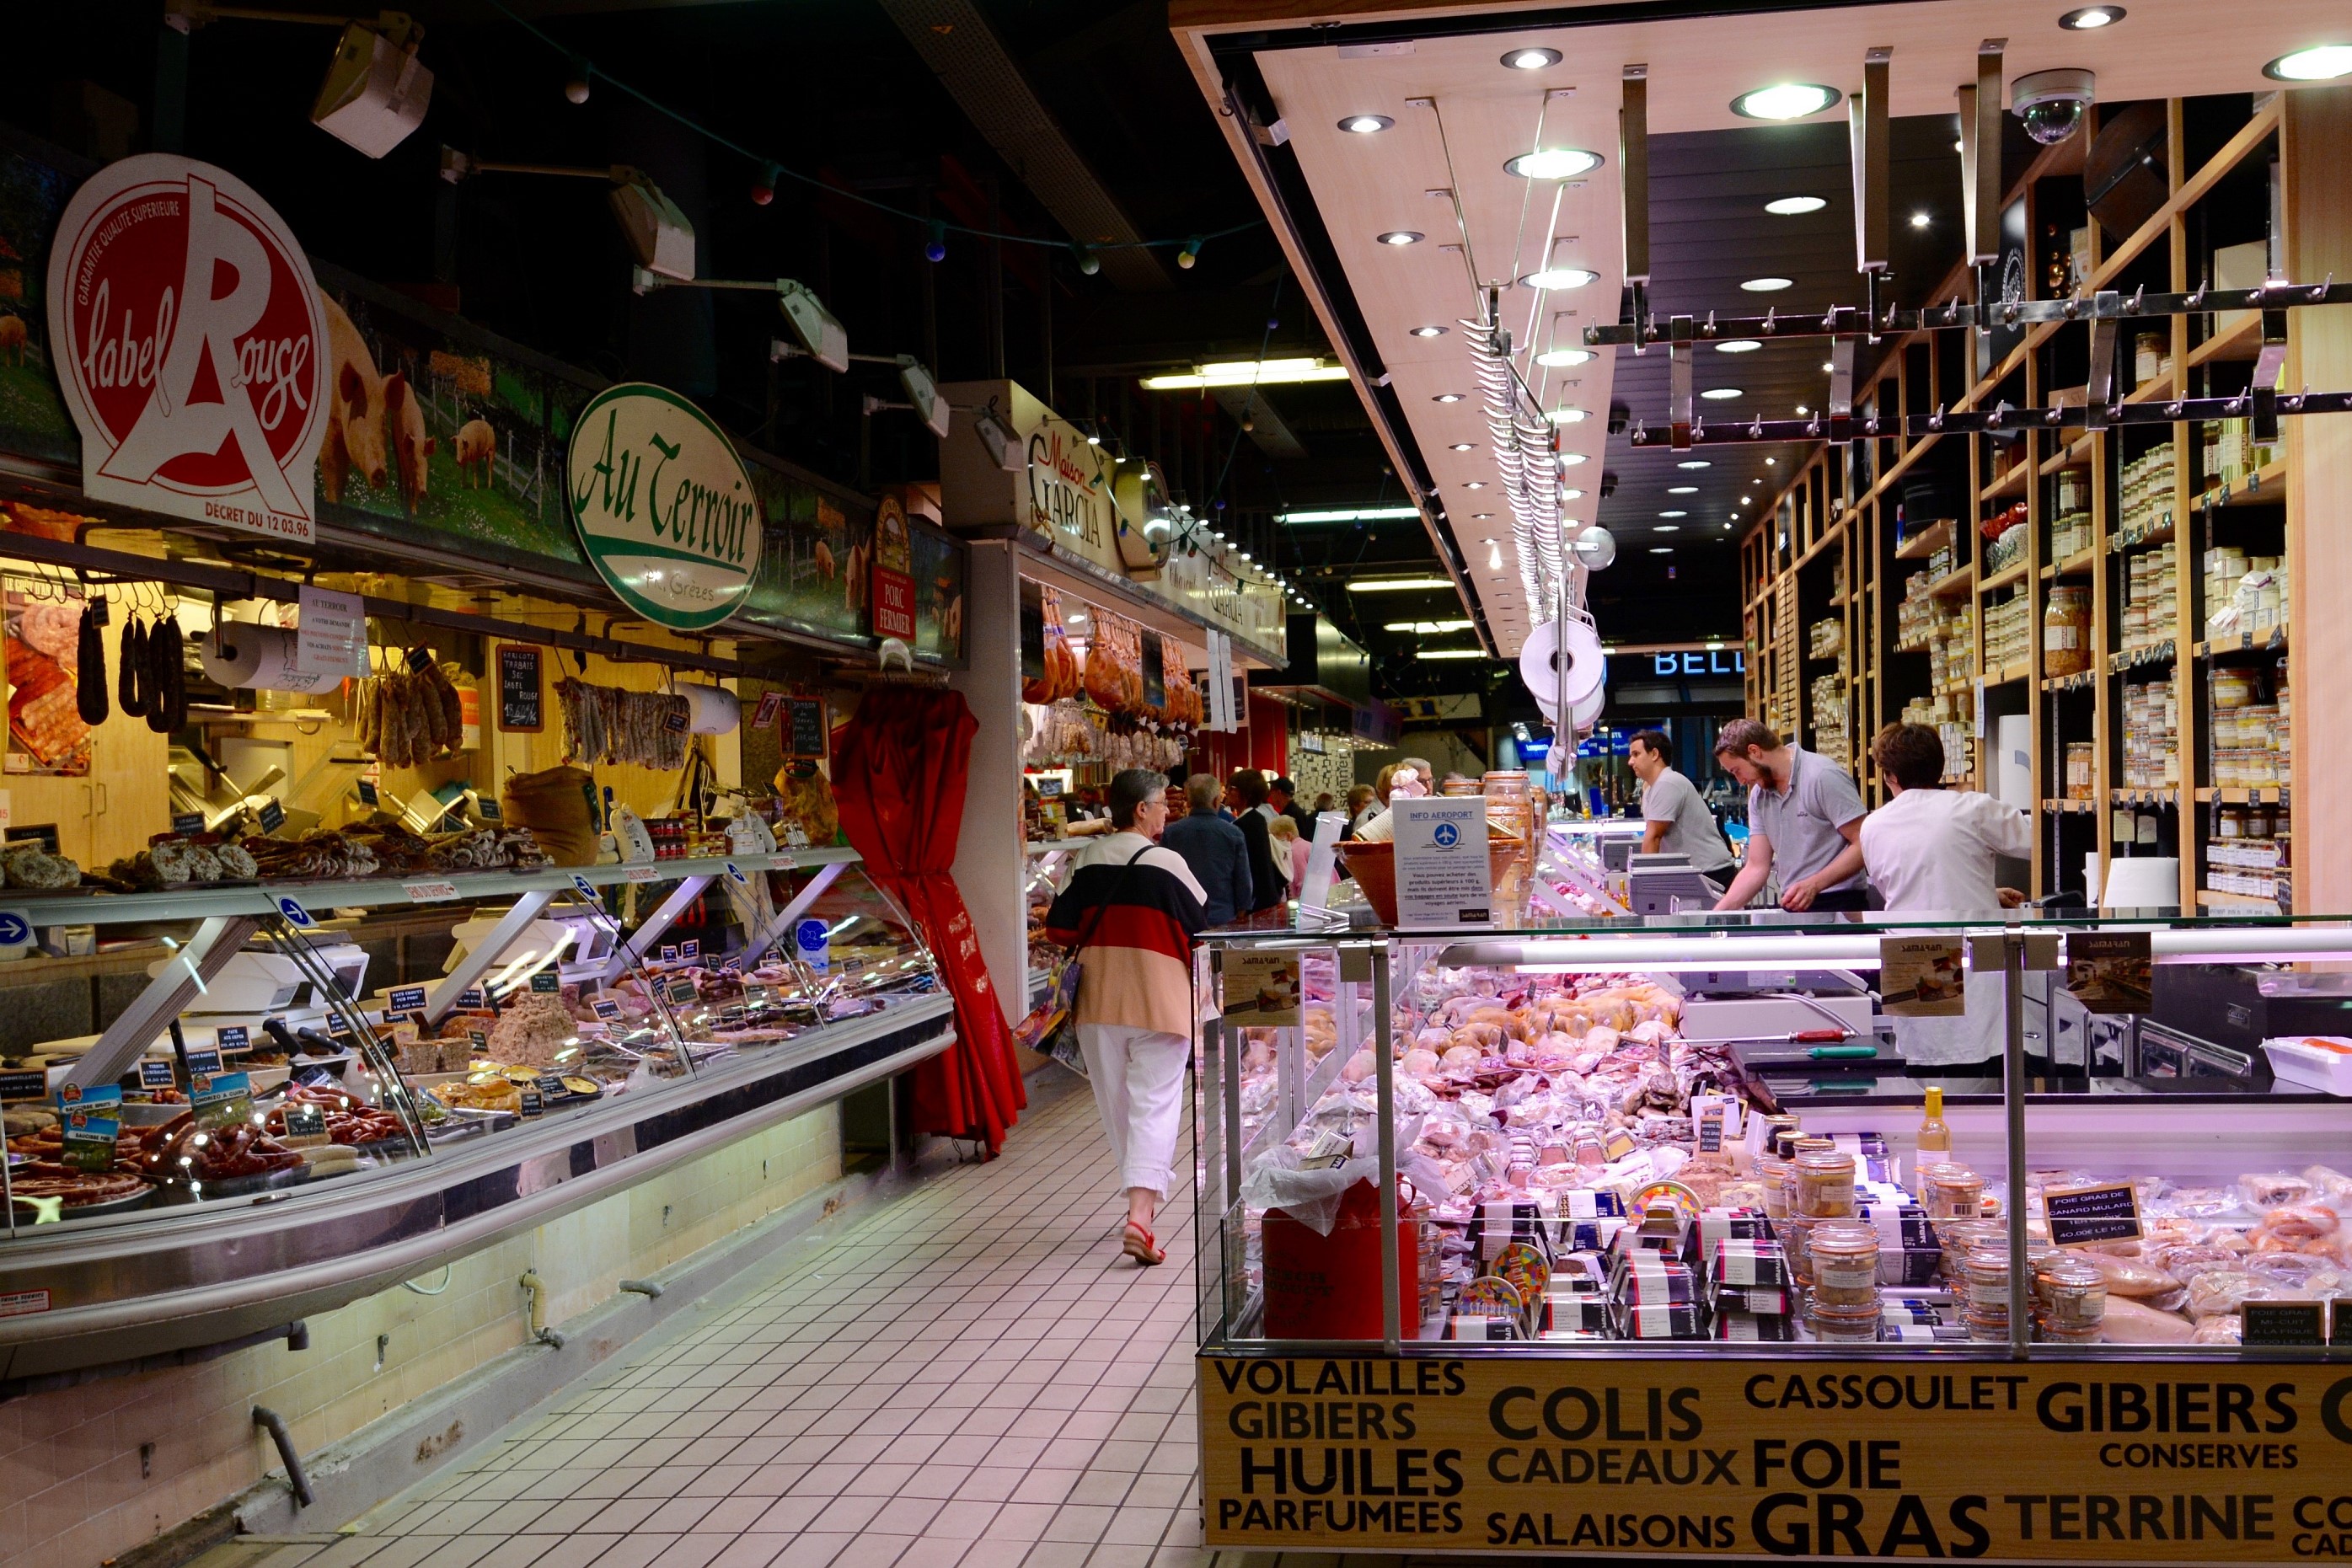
(1985, 1276)
(1771, 1174)
(1845, 1265)
(1822, 1184)
(1848, 1326)
(2070, 1295)
(1952, 1192)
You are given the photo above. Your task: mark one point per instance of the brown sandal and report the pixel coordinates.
(1141, 1245)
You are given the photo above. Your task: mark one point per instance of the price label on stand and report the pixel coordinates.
(470, 999)
(407, 999)
(187, 822)
(641, 874)
(429, 892)
(228, 1038)
(546, 982)
(2109, 1212)
(154, 1074)
(202, 1063)
(272, 816)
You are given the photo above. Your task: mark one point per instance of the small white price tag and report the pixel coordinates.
(429, 892)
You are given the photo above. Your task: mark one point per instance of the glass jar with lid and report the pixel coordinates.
(2070, 1295)
(1821, 1183)
(1845, 1264)
(1952, 1192)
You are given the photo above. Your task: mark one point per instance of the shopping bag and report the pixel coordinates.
(1047, 1030)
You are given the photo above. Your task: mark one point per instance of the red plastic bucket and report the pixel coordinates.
(1329, 1287)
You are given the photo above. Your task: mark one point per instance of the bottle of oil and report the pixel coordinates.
(1935, 1139)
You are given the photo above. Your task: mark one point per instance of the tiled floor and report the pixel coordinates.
(973, 1375)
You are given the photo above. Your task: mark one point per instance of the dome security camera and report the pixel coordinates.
(1618, 416)
(2051, 102)
(1608, 485)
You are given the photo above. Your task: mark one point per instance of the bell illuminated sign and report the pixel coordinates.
(1713, 662)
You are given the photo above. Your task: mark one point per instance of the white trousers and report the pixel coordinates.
(1139, 1082)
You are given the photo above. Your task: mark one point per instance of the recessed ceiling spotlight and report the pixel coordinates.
(1569, 416)
(1447, 397)
(1829, 366)
(1669, 527)
(1429, 331)
(1559, 277)
(1767, 285)
(1662, 549)
(1738, 346)
(1480, 517)
(1681, 489)
(1794, 206)
(1772, 462)
(1785, 100)
(1552, 359)
(1803, 409)
(2323, 62)
(1746, 500)
(1919, 220)
(1366, 124)
(1695, 463)
(2091, 17)
(1719, 394)
(1553, 163)
(1531, 59)
(1463, 447)
(1571, 459)
(1476, 484)
(1401, 236)
(1572, 495)
(1673, 514)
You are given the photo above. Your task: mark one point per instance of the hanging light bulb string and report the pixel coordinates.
(579, 71)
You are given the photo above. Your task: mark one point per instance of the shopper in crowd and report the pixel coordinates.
(1132, 907)
(1283, 796)
(1676, 821)
(1324, 802)
(1214, 849)
(1930, 852)
(1409, 783)
(1381, 782)
(1245, 797)
(1363, 805)
(1804, 819)
(1289, 852)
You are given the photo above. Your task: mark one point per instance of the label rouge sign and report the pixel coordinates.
(190, 345)
(664, 505)
(2105, 1461)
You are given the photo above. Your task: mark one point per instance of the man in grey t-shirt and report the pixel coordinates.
(1679, 822)
(1804, 815)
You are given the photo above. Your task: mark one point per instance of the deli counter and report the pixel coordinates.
(278, 1122)
(1494, 1225)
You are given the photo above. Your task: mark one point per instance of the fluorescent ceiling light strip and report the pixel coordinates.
(1351, 515)
(1248, 373)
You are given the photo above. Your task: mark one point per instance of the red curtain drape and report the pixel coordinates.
(899, 772)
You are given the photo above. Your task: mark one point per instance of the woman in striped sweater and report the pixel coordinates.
(1135, 908)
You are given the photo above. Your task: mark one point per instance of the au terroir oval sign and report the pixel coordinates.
(664, 505)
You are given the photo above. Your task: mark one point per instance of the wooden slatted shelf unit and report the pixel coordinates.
(2147, 503)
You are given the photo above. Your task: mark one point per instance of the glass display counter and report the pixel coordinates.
(273, 1125)
(1710, 1236)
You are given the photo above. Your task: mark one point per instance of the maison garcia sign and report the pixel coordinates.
(665, 507)
(190, 343)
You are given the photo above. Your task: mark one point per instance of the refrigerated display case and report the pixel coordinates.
(1504, 1223)
(290, 1130)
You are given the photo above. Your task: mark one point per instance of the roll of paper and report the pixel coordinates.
(713, 710)
(2142, 882)
(239, 653)
(2091, 878)
(2014, 781)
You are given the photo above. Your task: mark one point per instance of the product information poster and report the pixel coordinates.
(2111, 971)
(1443, 872)
(1920, 976)
(41, 647)
(1261, 987)
(2113, 1461)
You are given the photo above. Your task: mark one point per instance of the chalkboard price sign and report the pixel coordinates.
(807, 735)
(2105, 1213)
(522, 704)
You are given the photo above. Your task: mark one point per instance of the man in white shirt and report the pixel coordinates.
(1676, 821)
(1804, 815)
(1930, 850)
(1930, 853)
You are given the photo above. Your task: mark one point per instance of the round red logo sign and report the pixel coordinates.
(191, 346)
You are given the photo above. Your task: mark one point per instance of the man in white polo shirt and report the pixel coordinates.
(1804, 817)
